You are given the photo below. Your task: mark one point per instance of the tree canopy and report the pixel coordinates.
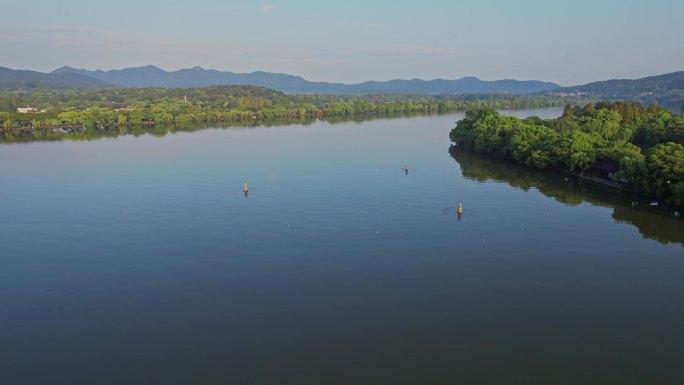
(646, 143)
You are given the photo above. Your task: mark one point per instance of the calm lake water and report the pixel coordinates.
(140, 261)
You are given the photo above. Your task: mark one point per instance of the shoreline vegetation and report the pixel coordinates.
(619, 144)
(85, 114)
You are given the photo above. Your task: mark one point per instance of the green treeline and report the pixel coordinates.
(643, 144)
(118, 110)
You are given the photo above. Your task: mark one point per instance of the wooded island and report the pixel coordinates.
(636, 147)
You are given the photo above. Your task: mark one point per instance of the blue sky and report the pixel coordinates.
(569, 42)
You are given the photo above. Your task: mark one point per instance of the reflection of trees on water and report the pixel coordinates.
(160, 130)
(483, 168)
(651, 225)
(654, 223)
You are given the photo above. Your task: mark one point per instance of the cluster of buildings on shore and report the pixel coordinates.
(568, 94)
(29, 110)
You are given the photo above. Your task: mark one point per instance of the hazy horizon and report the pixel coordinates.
(354, 42)
(348, 83)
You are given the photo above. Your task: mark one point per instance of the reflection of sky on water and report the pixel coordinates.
(337, 268)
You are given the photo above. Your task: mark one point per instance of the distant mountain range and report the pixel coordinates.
(21, 79)
(151, 76)
(667, 90)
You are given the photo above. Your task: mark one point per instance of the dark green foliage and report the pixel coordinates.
(664, 174)
(602, 133)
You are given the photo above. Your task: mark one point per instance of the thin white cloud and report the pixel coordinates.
(36, 29)
(67, 28)
(45, 32)
(356, 24)
(268, 8)
(412, 51)
(15, 38)
(420, 50)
